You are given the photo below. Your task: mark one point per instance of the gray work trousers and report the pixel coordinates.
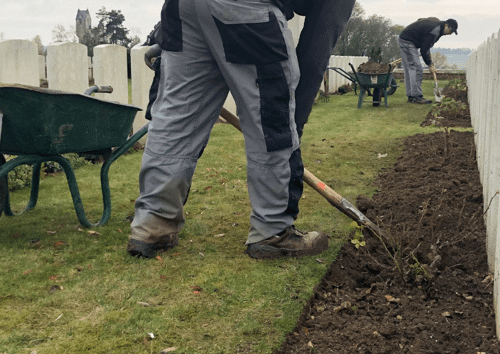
(243, 46)
(414, 72)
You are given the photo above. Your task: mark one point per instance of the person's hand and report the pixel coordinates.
(432, 69)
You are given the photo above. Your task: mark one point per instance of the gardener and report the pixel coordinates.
(211, 47)
(422, 34)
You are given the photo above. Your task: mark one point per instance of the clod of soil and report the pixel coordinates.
(373, 68)
(422, 288)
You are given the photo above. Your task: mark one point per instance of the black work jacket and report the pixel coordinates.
(300, 7)
(424, 34)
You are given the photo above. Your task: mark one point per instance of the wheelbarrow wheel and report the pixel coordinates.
(4, 188)
(376, 97)
(393, 86)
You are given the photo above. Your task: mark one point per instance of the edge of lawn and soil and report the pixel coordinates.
(66, 289)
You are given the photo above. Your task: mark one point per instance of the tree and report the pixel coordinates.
(60, 34)
(374, 36)
(111, 27)
(38, 41)
(440, 61)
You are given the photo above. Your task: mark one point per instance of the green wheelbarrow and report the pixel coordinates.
(39, 125)
(381, 84)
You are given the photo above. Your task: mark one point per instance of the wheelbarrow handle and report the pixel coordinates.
(98, 89)
(343, 73)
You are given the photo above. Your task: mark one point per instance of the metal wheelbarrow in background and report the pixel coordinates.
(375, 85)
(39, 125)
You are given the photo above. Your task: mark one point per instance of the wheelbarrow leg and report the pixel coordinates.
(35, 184)
(362, 93)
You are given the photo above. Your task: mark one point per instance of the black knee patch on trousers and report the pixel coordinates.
(296, 185)
(274, 106)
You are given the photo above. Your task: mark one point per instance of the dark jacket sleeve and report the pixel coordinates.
(425, 49)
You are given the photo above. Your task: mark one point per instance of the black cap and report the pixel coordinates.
(453, 24)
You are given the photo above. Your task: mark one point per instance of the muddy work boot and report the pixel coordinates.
(289, 243)
(143, 249)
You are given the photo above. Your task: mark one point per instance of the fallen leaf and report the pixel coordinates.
(220, 235)
(208, 188)
(381, 155)
(151, 335)
(196, 292)
(310, 344)
(196, 288)
(91, 232)
(391, 298)
(319, 260)
(53, 277)
(145, 304)
(59, 243)
(446, 314)
(28, 272)
(120, 231)
(159, 258)
(80, 229)
(168, 350)
(163, 277)
(52, 232)
(202, 254)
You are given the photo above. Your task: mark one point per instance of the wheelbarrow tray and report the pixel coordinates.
(375, 80)
(50, 122)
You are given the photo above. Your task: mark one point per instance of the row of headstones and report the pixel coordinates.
(67, 69)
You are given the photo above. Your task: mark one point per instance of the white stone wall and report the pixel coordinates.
(110, 69)
(335, 79)
(19, 62)
(67, 67)
(483, 77)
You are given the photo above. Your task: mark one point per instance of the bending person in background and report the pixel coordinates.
(422, 34)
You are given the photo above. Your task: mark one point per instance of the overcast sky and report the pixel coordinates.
(24, 19)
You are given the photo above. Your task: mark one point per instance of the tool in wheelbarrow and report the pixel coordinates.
(329, 194)
(40, 125)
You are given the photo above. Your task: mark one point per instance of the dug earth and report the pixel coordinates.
(422, 286)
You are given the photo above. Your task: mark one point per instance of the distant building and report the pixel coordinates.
(83, 23)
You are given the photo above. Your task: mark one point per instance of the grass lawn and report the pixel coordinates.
(71, 290)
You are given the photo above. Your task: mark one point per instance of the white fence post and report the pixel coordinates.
(19, 62)
(67, 67)
(110, 69)
(483, 78)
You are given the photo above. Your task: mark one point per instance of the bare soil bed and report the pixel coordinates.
(424, 286)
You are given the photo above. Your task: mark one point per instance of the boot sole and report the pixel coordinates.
(257, 251)
(148, 250)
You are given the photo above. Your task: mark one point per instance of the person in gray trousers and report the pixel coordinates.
(422, 34)
(208, 48)
(211, 47)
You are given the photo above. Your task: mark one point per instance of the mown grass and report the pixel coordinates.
(70, 290)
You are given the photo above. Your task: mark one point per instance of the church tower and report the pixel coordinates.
(83, 23)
